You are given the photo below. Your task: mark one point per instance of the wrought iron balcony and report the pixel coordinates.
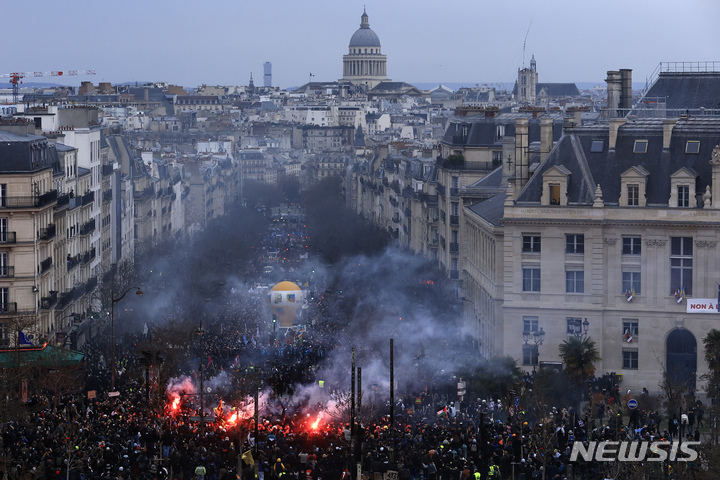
(47, 233)
(49, 302)
(30, 201)
(8, 308)
(7, 237)
(45, 265)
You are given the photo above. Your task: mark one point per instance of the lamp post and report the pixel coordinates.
(114, 300)
(537, 338)
(201, 331)
(580, 328)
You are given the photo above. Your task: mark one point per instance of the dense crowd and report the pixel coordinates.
(128, 436)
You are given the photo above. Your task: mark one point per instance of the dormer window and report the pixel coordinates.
(597, 146)
(682, 188)
(633, 181)
(641, 146)
(555, 182)
(499, 131)
(692, 147)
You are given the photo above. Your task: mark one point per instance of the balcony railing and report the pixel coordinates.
(148, 192)
(8, 308)
(88, 227)
(88, 198)
(454, 191)
(49, 302)
(7, 237)
(29, 201)
(73, 262)
(454, 247)
(47, 233)
(107, 196)
(45, 265)
(7, 271)
(107, 170)
(454, 220)
(63, 200)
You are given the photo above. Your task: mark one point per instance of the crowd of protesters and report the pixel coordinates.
(124, 436)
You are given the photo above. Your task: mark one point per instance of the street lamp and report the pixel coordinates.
(580, 328)
(201, 331)
(537, 338)
(114, 300)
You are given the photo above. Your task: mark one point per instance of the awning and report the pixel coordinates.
(45, 356)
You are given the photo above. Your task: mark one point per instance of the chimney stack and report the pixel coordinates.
(668, 125)
(546, 137)
(521, 152)
(615, 124)
(626, 90)
(614, 92)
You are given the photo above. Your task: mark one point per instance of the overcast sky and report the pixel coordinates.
(221, 42)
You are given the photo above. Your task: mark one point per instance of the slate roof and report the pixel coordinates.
(588, 169)
(395, 87)
(482, 131)
(683, 90)
(558, 89)
(16, 153)
(491, 209)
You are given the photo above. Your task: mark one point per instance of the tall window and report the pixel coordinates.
(455, 208)
(3, 230)
(455, 181)
(3, 194)
(631, 246)
(630, 359)
(633, 195)
(681, 264)
(4, 270)
(630, 330)
(574, 281)
(574, 243)
(531, 279)
(530, 324)
(631, 282)
(4, 299)
(683, 196)
(530, 354)
(531, 244)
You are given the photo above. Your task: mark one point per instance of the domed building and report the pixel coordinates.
(364, 63)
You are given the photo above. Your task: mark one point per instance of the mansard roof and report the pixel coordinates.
(590, 166)
(686, 90)
(25, 153)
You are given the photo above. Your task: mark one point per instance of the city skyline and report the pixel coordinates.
(223, 42)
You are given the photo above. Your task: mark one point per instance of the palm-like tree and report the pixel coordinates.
(579, 357)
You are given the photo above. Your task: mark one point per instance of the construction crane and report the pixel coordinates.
(16, 78)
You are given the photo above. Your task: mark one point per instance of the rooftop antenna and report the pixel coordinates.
(525, 41)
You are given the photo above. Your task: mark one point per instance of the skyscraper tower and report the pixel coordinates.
(267, 78)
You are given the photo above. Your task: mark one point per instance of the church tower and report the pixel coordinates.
(527, 83)
(364, 63)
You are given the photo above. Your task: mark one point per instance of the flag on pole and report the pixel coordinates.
(23, 339)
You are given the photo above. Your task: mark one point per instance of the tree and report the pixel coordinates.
(579, 357)
(712, 357)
